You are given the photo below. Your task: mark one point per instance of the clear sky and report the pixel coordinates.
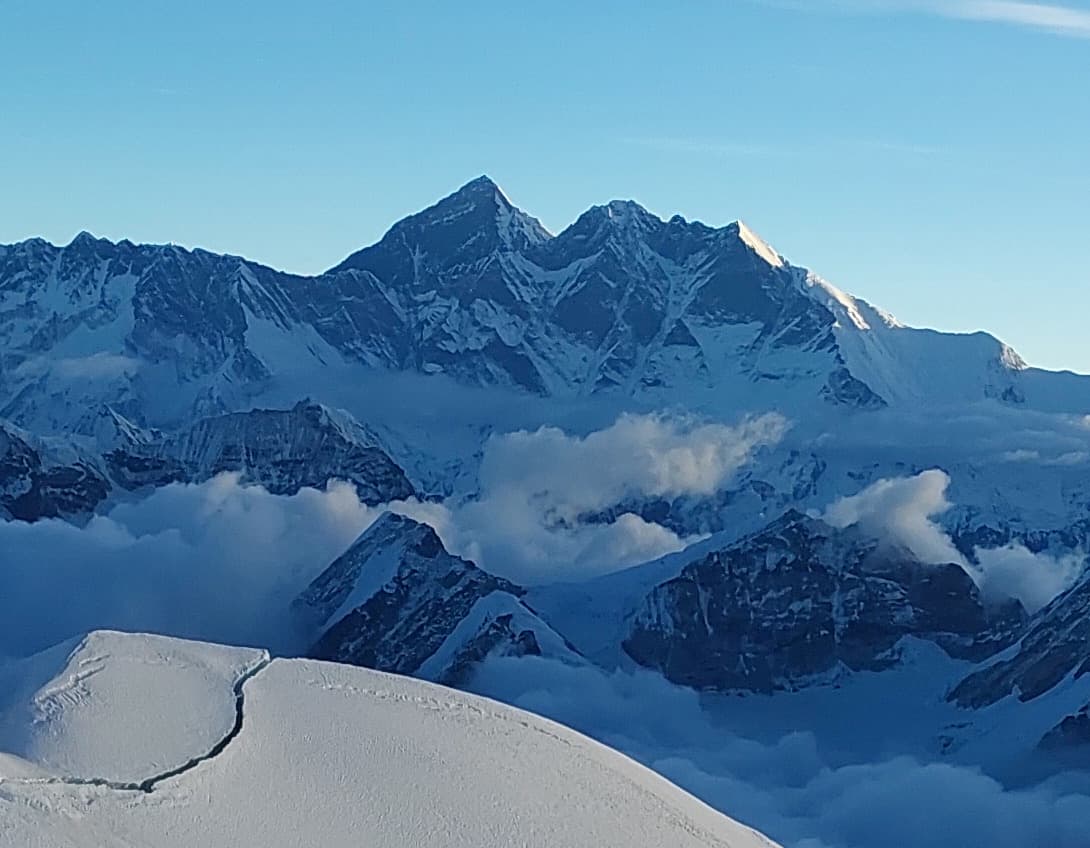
(932, 156)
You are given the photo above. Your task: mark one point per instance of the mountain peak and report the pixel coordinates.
(481, 191)
(84, 239)
(482, 184)
(626, 218)
(630, 210)
(468, 224)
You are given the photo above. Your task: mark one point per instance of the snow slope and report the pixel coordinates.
(185, 704)
(328, 755)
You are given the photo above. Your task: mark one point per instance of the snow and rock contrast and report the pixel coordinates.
(632, 462)
(397, 601)
(799, 600)
(281, 450)
(620, 302)
(296, 752)
(39, 479)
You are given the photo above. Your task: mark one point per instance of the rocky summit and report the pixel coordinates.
(396, 600)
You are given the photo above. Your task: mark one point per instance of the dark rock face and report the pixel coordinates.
(1074, 535)
(283, 450)
(34, 485)
(798, 599)
(398, 601)
(1071, 733)
(1056, 644)
(499, 637)
(139, 468)
(418, 595)
(471, 287)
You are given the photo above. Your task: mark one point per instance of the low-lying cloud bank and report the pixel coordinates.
(220, 560)
(528, 522)
(211, 561)
(902, 511)
(788, 789)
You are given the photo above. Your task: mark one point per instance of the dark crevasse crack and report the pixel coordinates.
(148, 784)
(240, 701)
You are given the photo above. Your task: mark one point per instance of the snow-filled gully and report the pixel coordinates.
(148, 784)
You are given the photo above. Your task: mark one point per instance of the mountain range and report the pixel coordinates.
(619, 302)
(925, 503)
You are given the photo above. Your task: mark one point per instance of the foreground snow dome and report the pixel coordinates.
(123, 740)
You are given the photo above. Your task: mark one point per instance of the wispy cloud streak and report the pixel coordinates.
(1063, 20)
(1071, 21)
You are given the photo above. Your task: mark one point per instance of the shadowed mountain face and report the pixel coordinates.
(282, 450)
(1052, 655)
(799, 600)
(619, 302)
(397, 601)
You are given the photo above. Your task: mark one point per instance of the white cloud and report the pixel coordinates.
(1063, 20)
(1070, 458)
(731, 149)
(97, 366)
(784, 785)
(530, 521)
(1074, 457)
(677, 144)
(651, 455)
(211, 561)
(1021, 455)
(1054, 18)
(900, 510)
(1015, 571)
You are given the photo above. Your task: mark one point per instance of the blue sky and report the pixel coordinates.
(932, 157)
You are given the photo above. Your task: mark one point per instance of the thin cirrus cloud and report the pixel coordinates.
(1072, 21)
(1063, 20)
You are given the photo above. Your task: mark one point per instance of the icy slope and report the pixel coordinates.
(173, 700)
(337, 756)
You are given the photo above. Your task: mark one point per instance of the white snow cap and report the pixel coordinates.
(759, 245)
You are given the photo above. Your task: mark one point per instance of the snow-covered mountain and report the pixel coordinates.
(396, 600)
(140, 740)
(620, 302)
(800, 600)
(46, 478)
(798, 605)
(282, 450)
(478, 373)
(1049, 662)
